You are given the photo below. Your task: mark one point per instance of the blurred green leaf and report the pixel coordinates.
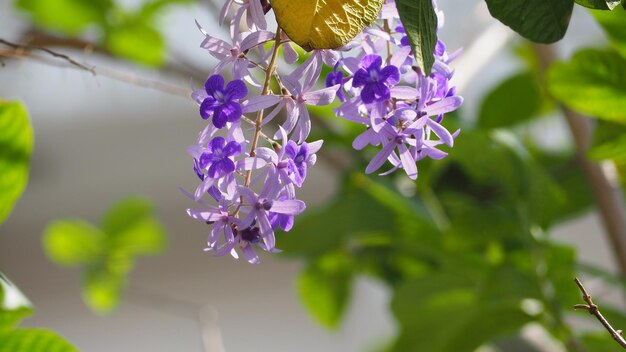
(137, 41)
(132, 228)
(102, 289)
(420, 23)
(615, 149)
(16, 145)
(107, 255)
(34, 340)
(14, 306)
(66, 16)
(542, 21)
(513, 101)
(352, 214)
(599, 342)
(613, 25)
(73, 242)
(572, 183)
(443, 313)
(325, 286)
(151, 8)
(593, 82)
(599, 4)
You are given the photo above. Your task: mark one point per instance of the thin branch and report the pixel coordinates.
(26, 47)
(114, 74)
(595, 311)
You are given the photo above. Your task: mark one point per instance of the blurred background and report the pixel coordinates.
(124, 131)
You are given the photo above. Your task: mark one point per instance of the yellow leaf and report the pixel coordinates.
(324, 24)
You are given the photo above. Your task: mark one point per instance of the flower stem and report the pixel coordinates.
(266, 88)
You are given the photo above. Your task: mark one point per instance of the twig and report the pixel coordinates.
(126, 77)
(608, 195)
(595, 311)
(51, 52)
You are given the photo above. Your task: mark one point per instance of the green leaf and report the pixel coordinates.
(615, 150)
(613, 25)
(16, 145)
(542, 21)
(324, 287)
(132, 228)
(137, 41)
(599, 342)
(34, 340)
(73, 242)
(443, 313)
(14, 306)
(352, 214)
(420, 23)
(599, 4)
(593, 82)
(107, 255)
(513, 101)
(67, 16)
(151, 8)
(102, 289)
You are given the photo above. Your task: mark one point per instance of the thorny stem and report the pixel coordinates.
(608, 195)
(595, 311)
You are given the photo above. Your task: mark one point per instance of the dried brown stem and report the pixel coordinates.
(28, 48)
(595, 311)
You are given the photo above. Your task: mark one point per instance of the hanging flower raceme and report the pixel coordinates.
(250, 170)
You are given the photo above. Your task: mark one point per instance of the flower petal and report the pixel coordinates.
(379, 159)
(213, 84)
(289, 206)
(259, 102)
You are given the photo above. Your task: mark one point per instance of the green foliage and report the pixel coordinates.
(592, 82)
(14, 306)
(34, 340)
(515, 100)
(324, 287)
(444, 313)
(73, 242)
(106, 254)
(613, 25)
(609, 142)
(137, 41)
(132, 35)
(542, 21)
(66, 16)
(599, 4)
(420, 23)
(466, 248)
(353, 214)
(16, 145)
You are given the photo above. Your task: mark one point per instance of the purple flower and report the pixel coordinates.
(374, 80)
(217, 158)
(222, 102)
(262, 205)
(299, 157)
(404, 41)
(336, 77)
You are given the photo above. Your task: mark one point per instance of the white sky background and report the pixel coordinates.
(99, 140)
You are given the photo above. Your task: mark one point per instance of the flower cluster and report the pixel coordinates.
(248, 177)
(400, 107)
